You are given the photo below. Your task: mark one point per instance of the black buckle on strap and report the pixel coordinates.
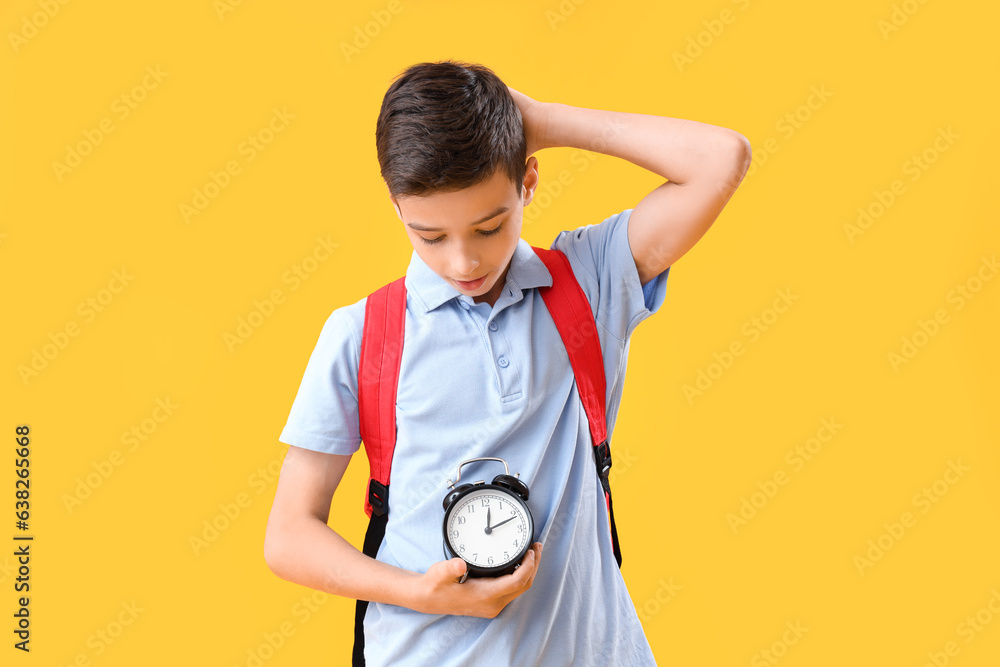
(378, 497)
(602, 457)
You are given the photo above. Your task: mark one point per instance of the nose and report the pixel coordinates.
(464, 262)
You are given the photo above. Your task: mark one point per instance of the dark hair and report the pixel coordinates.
(446, 126)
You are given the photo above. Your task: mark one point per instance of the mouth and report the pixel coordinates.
(471, 284)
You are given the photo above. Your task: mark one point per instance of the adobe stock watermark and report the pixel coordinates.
(121, 108)
(231, 510)
(898, 17)
(779, 648)
(104, 468)
(8, 568)
(697, 44)
(548, 191)
(271, 642)
(562, 12)
(968, 629)
(786, 126)
(364, 34)
(443, 644)
(914, 166)
(106, 636)
(922, 500)
(751, 330)
(559, 522)
(726, 187)
(30, 25)
(488, 431)
(249, 148)
(621, 462)
(264, 309)
(223, 7)
(797, 457)
(958, 297)
(88, 309)
(581, 159)
(665, 592)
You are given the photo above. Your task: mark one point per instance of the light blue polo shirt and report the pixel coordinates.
(477, 380)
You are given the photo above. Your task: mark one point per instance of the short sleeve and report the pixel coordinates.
(603, 265)
(324, 414)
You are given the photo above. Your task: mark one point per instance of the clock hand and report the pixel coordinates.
(504, 521)
(488, 528)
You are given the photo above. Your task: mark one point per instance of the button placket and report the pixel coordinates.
(502, 360)
(497, 347)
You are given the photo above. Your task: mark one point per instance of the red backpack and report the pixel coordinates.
(378, 378)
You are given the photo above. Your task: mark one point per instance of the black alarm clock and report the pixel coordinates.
(489, 526)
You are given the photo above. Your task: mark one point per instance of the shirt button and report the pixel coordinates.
(503, 362)
(493, 326)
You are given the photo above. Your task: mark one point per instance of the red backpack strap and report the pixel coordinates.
(571, 312)
(378, 377)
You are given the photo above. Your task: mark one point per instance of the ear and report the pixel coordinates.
(530, 180)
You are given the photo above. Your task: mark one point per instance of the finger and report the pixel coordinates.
(537, 548)
(509, 586)
(458, 567)
(447, 571)
(523, 575)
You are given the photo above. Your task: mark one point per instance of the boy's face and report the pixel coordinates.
(473, 258)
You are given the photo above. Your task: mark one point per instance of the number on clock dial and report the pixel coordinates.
(467, 534)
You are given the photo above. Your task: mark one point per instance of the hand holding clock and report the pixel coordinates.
(437, 591)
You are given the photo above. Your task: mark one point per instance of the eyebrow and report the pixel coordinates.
(421, 228)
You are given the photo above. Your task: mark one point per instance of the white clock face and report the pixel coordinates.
(488, 528)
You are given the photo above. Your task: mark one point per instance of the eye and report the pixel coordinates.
(491, 232)
(488, 232)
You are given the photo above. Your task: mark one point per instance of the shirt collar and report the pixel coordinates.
(526, 270)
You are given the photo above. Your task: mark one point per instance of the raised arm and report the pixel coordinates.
(704, 164)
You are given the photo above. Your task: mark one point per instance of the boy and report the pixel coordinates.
(485, 373)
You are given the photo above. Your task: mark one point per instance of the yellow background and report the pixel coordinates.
(683, 465)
